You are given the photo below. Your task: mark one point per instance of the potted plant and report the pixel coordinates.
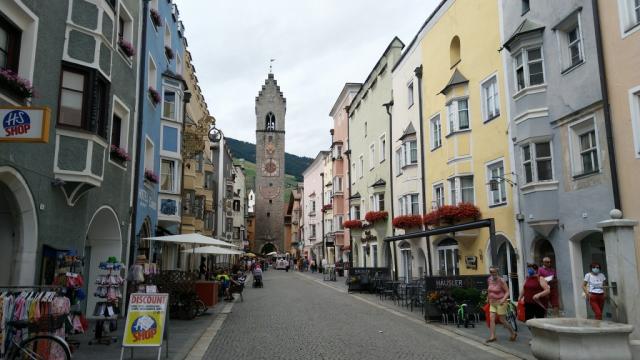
(150, 176)
(155, 95)
(448, 213)
(119, 154)
(407, 221)
(352, 224)
(169, 52)
(155, 17)
(126, 47)
(17, 86)
(467, 211)
(373, 216)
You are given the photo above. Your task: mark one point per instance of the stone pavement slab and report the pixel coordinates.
(480, 333)
(296, 316)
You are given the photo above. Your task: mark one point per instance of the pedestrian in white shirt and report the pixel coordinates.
(593, 287)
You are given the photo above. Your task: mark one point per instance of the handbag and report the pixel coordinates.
(520, 310)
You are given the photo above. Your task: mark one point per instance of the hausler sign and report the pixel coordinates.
(24, 124)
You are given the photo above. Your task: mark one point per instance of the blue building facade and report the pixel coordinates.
(163, 95)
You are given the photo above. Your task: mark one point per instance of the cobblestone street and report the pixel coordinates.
(296, 317)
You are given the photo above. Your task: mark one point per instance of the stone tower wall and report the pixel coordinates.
(270, 148)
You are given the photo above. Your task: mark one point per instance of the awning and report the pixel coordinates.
(192, 239)
(215, 250)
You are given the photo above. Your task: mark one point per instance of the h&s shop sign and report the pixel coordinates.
(24, 124)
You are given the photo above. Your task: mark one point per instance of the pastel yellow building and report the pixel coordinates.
(466, 134)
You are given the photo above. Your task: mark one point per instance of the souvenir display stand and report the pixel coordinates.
(69, 278)
(109, 290)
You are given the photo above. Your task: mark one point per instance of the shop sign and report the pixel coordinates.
(461, 281)
(145, 320)
(24, 124)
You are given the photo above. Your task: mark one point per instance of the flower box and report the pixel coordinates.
(150, 176)
(169, 52)
(119, 154)
(467, 211)
(126, 47)
(431, 218)
(327, 207)
(373, 216)
(15, 85)
(155, 95)
(448, 214)
(407, 221)
(155, 17)
(352, 224)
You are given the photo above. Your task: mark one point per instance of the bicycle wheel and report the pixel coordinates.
(201, 307)
(41, 347)
(511, 318)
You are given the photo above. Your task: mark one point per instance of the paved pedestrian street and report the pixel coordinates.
(297, 316)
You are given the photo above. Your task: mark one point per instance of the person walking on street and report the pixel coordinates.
(549, 274)
(497, 296)
(593, 288)
(534, 290)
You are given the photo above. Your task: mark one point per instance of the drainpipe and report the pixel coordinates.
(348, 155)
(186, 100)
(141, 97)
(418, 72)
(387, 107)
(324, 241)
(607, 108)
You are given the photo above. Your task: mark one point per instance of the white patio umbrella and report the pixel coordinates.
(193, 239)
(214, 250)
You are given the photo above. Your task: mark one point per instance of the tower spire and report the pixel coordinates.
(271, 66)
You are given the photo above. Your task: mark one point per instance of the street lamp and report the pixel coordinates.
(215, 134)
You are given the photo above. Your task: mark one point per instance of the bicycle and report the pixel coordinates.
(512, 315)
(39, 347)
(463, 317)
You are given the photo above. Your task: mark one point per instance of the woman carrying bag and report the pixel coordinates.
(497, 297)
(534, 291)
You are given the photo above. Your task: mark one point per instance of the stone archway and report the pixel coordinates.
(508, 264)
(543, 248)
(104, 240)
(267, 248)
(18, 229)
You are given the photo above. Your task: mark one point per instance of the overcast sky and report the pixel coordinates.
(318, 46)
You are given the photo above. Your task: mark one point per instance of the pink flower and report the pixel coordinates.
(15, 84)
(155, 95)
(120, 153)
(155, 17)
(127, 47)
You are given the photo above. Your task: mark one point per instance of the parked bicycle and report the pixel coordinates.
(38, 347)
(464, 317)
(512, 314)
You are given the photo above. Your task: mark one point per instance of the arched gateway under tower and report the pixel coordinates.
(271, 107)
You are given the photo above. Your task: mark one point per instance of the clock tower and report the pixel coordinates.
(271, 107)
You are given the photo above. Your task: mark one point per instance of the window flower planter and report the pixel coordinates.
(407, 221)
(126, 47)
(467, 211)
(327, 207)
(449, 214)
(119, 154)
(373, 216)
(155, 95)
(155, 17)
(432, 218)
(169, 52)
(352, 224)
(17, 86)
(150, 176)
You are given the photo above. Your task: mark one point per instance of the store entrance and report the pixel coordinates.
(18, 230)
(103, 241)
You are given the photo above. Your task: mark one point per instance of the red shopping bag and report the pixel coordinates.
(520, 310)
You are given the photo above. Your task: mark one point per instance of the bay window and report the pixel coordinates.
(169, 105)
(410, 152)
(461, 189)
(537, 161)
(376, 202)
(458, 114)
(438, 195)
(497, 187)
(83, 100)
(528, 64)
(409, 204)
(168, 175)
(355, 212)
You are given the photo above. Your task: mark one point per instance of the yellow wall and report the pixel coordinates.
(476, 23)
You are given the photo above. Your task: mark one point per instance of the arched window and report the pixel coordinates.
(270, 122)
(454, 50)
(448, 257)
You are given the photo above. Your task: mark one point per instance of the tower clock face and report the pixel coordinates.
(270, 167)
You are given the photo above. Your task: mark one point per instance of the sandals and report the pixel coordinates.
(513, 337)
(490, 340)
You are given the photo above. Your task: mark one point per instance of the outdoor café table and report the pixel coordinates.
(391, 288)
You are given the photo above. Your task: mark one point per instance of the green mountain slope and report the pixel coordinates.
(294, 165)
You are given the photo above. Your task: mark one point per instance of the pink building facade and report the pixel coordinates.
(312, 209)
(340, 160)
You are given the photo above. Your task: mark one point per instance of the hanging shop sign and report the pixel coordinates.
(24, 124)
(145, 320)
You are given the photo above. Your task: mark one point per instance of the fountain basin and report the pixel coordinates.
(573, 338)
